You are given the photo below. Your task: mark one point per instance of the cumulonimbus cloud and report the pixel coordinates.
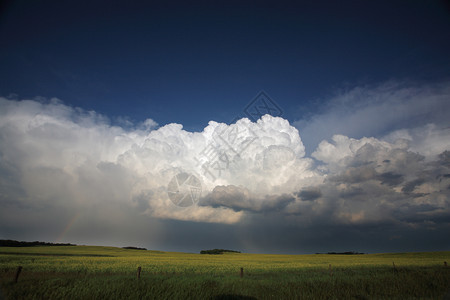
(56, 155)
(51, 152)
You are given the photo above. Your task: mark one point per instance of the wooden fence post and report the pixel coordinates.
(139, 272)
(19, 269)
(445, 264)
(242, 272)
(330, 269)
(395, 269)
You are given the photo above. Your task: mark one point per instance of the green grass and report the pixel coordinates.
(89, 272)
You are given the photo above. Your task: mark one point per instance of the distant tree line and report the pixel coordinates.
(345, 253)
(134, 248)
(13, 243)
(217, 251)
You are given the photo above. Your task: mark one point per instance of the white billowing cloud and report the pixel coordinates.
(53, 155)
(58, 155)
(370, 180)
(429, 140)
(401, 175)
(343, 150)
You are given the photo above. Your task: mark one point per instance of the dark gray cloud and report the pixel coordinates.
(241, 199)
(310, 194)
(390, 178)
(410, 186)
(444, 158)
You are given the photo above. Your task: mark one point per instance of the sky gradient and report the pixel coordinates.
(102, 104)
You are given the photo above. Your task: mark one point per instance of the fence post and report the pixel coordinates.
(395, 269)
(242, 272)
(330, 269)
(19, 269)
(445, 264)
(139, 272)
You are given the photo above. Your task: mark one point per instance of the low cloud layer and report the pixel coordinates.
(57, 161)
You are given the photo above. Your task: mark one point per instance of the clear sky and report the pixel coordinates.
(103, 103)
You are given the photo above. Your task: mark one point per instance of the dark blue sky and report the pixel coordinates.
(191, 63)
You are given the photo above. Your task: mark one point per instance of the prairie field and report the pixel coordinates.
(94, 272)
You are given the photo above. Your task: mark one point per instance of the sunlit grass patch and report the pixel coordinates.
(88, 272)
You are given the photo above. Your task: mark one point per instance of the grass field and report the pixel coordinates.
(90, 272)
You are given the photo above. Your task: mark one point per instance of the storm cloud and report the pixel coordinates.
(57, 162)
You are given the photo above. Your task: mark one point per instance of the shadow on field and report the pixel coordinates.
(233, 297)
